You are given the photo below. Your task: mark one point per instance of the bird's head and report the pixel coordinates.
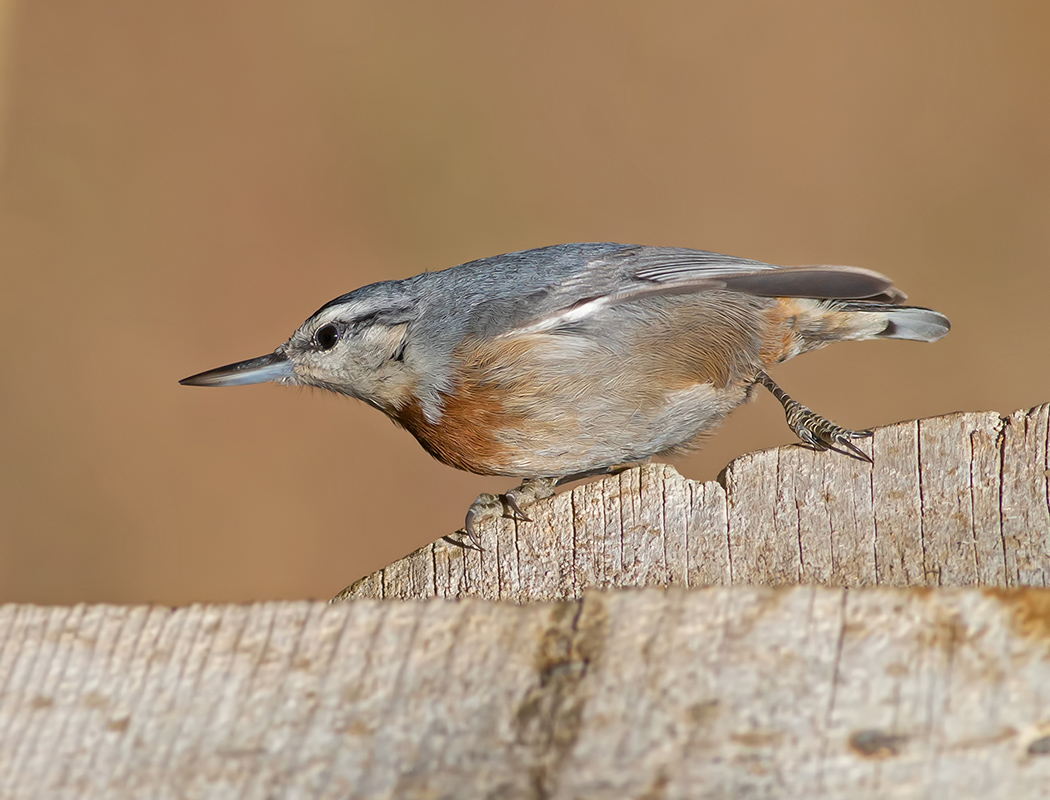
(357, 345)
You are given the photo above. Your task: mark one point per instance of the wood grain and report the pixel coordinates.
(960, 500)
(719, 692)
(928, 677)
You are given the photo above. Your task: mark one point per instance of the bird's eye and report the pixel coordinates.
(327, 336)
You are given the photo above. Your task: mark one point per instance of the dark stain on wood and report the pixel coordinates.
(875, 744)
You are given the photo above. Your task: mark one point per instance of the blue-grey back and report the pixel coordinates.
(493, 295)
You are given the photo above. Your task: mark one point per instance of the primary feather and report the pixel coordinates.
(619, 274)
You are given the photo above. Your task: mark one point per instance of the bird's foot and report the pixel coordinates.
(821, 433)
(814, 430)
(493, 506)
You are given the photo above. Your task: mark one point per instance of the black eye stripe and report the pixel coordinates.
(331, 333)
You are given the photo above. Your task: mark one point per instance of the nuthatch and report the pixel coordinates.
(576, 359)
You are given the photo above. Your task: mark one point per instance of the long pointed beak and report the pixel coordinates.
(272, 367)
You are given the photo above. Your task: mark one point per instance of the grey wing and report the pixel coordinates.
(670, 263)
(630, 273)
(669, 266)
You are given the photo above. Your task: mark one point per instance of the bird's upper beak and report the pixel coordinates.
(272, 367)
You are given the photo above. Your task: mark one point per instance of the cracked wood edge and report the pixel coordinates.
(958, 500)
(739, 691)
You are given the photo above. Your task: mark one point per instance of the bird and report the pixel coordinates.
(575, 360)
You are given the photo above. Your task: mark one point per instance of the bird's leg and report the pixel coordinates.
(813, 429)
(492, 506)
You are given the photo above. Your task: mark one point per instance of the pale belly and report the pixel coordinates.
(595, 435)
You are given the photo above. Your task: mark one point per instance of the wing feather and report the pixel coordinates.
(633, 273)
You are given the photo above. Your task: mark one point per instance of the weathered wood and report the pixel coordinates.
(718, 692)
(960, 500)
(724, 691)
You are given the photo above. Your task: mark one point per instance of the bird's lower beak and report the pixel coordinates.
(273, 367)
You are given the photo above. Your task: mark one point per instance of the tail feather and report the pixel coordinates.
(917, 324)
(905, 322)
(798, 326)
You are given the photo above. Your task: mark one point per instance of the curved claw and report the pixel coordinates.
(491, 506)
(839, 443)
(460, 539)
(516, 512)
(472, 533)
(487, 505)
(851, 450)
(814, 430)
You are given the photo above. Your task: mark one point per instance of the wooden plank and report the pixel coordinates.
(898, 506)
(730, 690)
(1024, 508)
(723, 691)
(960, 500)
(949, 533)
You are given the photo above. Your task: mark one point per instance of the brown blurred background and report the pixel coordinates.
(181, 184)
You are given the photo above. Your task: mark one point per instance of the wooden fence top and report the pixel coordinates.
(959, 500)
(722, 692)
(928, 677)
